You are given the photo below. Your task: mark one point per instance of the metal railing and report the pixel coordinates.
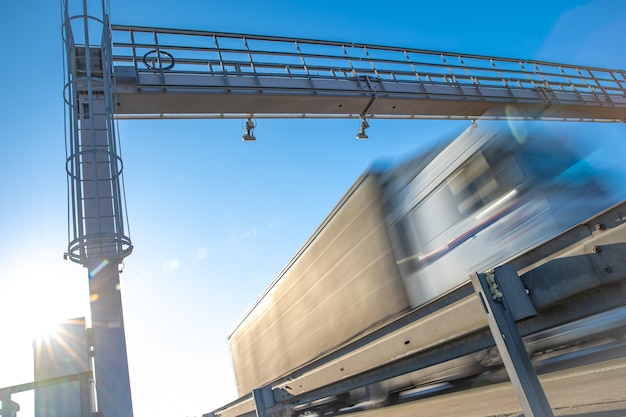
(9, 408)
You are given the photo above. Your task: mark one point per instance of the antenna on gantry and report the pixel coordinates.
(248, 134)
(361, 133)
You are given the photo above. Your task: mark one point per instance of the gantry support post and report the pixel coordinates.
(505, 300)
(97, 237)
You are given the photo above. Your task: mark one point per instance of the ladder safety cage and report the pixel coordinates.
(97, 223)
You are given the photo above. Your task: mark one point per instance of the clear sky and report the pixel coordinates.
(213, 219)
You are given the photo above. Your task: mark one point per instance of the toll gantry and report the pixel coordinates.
(129, 72)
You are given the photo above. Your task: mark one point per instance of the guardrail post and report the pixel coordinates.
(263, 399)
(86, 408)
(495, 299)
(9, 408)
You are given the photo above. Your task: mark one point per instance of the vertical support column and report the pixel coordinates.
(97, 239)
(508, 340)
(109, 341)
(263, 399)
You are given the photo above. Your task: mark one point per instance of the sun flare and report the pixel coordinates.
(37, 301)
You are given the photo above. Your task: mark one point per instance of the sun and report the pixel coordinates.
(44, 324)
(37, 299)
(42, 311)
(44, 329)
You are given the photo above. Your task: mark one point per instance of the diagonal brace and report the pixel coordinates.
(495, 300)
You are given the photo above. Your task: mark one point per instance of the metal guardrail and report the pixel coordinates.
(9, 408)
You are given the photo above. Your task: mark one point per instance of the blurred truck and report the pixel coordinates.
(406, 235)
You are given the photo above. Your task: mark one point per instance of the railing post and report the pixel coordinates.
(508, 340)
(9, 408)
(263, 399)
(86, 407)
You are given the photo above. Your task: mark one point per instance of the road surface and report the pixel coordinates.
(597, 390)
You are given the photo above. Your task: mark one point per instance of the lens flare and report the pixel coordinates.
(99, 268)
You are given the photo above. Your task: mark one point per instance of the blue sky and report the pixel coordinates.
(213, 219)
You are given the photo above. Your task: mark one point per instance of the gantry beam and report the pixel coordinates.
(168, 73)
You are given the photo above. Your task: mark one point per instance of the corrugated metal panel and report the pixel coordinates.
(342, 284)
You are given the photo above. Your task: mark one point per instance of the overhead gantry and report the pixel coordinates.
(169, 73)
(127, 72)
